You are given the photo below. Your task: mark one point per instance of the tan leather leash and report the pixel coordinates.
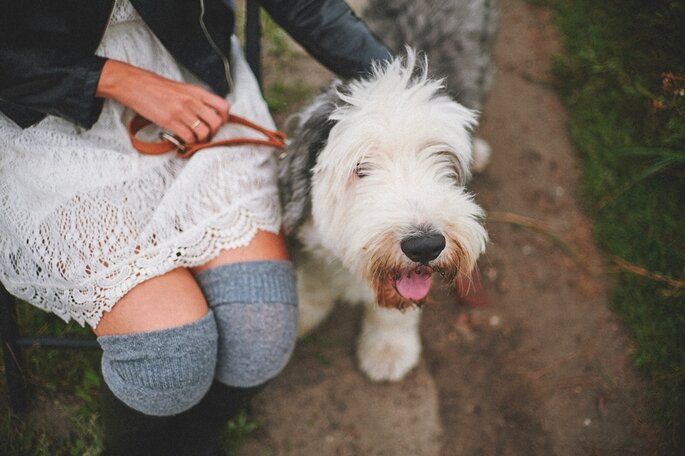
(274, 138)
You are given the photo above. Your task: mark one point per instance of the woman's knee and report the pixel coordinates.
(255, 308)
(162, 372)
(159, 345)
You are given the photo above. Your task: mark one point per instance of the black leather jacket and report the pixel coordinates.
(48, 65)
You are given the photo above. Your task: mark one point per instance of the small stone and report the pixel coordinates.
(495, 321)
(587, 422)
(526, 249)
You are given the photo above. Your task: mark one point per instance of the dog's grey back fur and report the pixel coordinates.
(295, 169)
(456, 35)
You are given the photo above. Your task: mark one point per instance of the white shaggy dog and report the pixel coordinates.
(375, 205)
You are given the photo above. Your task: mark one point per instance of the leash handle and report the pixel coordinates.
(273, 138)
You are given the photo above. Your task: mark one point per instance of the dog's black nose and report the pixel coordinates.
(423, 248)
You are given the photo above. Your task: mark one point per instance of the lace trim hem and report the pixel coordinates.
(88, 302)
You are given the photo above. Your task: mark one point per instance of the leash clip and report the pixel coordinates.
(166, 136)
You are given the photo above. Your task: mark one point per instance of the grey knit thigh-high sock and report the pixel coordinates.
(255, 307)
(164, 372)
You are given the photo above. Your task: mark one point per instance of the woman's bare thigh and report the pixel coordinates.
(167, 301)
(264, 246)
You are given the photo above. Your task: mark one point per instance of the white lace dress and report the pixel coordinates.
(84, 217)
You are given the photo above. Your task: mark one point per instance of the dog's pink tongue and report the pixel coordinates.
(414, 286)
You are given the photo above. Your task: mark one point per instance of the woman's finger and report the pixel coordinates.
(219, 105)
(183, 132)
(196, 124)
(200, 130)
(211, 118)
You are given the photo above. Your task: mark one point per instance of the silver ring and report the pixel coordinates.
(196, 124)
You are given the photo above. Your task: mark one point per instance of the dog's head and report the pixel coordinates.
(387, 158)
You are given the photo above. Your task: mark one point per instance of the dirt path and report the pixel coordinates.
(543, 369)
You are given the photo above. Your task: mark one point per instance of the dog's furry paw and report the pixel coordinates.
(388, 355)
(481, 155)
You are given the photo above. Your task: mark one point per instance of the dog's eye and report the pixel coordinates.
(455, 178)
(452, 167)
(362, 170)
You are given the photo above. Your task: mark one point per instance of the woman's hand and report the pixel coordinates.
(191, 113)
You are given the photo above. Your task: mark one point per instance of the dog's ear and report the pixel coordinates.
(295, 169)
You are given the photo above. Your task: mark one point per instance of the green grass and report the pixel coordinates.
(278, 50)
(64, 395)
(236, 431)
(280, 96)
(622, 77)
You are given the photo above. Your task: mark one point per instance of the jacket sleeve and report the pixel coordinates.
(47, 65)
(51, 83)
(331, 32)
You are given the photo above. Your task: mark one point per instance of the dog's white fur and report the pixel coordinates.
(412, 146)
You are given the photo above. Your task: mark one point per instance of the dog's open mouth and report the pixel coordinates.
(413, 285)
